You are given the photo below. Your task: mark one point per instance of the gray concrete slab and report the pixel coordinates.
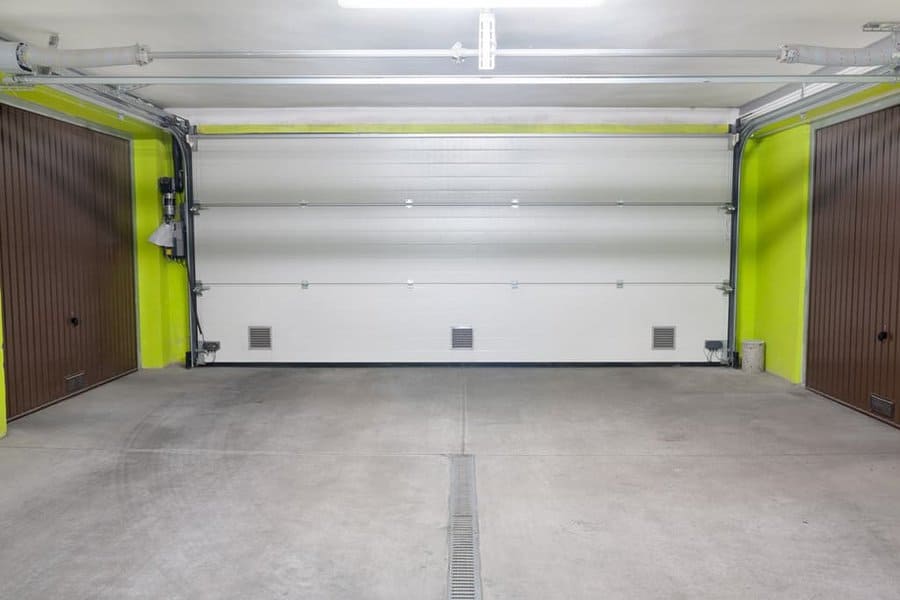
(344, 411)
(650, 411)
(332, 483)
(683, 528)
(190, 525)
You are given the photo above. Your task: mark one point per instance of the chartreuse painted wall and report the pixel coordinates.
(772, 247)
(773, 235)
(161, 284)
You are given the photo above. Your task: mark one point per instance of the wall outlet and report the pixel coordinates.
(713, 345)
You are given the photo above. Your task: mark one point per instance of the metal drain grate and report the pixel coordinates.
(464, 572)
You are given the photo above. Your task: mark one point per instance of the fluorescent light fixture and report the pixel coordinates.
(479, 4)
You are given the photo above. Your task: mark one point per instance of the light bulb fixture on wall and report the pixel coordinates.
(170, 234)
(468, 4)
(163, 236)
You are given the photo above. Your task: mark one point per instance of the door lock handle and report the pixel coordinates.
(883, 336)
(75, 321)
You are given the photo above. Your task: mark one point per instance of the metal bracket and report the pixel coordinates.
(409, 203)
(12, 84)
(487, 41)
(514, 284)
(124, 89)
(728, 208)
(892, 27)
(196, 208)
(192, 142)
(726, 288)
(199, 288)
(457, 50)
(410, 283)
(514, 203)
(882, 27)
(304, 285)
(53, 42)
(733, 140)
(620, 283)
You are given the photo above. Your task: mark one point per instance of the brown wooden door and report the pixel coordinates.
(854, 312)
(66, 259)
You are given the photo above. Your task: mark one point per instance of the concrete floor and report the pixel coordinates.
(332, 483)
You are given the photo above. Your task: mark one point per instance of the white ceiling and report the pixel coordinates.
(322, 24)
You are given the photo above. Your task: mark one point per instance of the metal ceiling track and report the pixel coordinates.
(412, 204)
(416, 80)
(459, 52)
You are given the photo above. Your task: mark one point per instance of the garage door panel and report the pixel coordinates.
(342, 280)
(432, 169)
(278, 245)
(328, 323)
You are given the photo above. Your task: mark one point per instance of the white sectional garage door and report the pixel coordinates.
(343, 249)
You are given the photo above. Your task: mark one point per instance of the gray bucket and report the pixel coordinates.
(753, 357)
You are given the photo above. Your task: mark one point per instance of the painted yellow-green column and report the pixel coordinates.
(162, 283)
(773, 248)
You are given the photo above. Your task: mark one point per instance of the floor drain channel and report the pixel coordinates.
(464, 573)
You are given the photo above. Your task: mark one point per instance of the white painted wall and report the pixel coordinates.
(463, 256)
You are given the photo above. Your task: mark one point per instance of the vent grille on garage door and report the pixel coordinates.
(260, 338)
(881, 406)
(663, 338)
(74, 382)
(462, 338)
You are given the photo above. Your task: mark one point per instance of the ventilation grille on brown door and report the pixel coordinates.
(74, 382)
(260, 338)
(663, 338)
(462, 338)
(881, 406)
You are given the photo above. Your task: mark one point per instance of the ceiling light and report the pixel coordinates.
(479, 4)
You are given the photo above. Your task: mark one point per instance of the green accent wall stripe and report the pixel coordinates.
(772, 248)
(484, 128)
(850, 102)
(69, 105)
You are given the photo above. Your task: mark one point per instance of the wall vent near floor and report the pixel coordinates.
(663, 338)
(260, 338)
(74, 382)
(881, 406)
(462, 338)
